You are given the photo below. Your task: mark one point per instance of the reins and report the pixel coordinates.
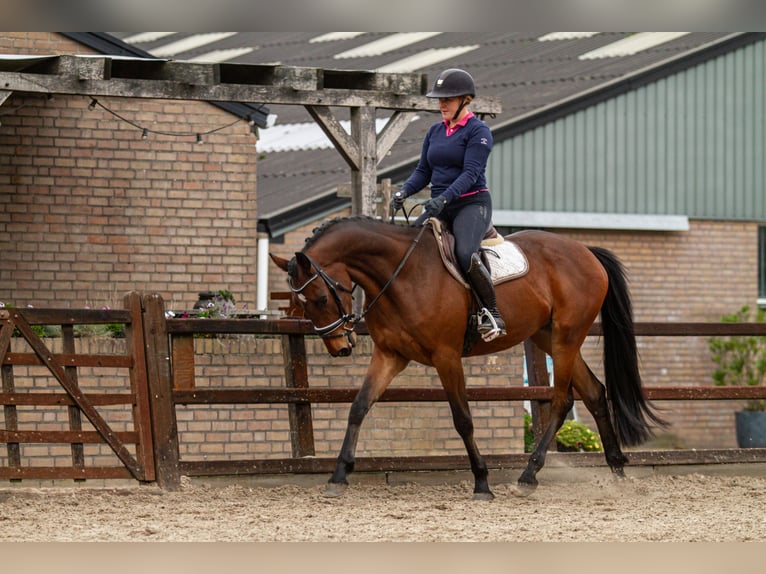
(395, 274)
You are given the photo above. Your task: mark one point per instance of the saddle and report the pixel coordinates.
(503, 258)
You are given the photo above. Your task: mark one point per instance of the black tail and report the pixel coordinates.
(631, 412)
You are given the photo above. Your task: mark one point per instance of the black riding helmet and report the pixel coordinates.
(453, 83)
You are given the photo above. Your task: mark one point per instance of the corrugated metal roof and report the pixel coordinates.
(228, 55)
(689, 144)
(526, 73)
(426, 58)
(386, 44)
(190, 43)
(302, 137)
(632, 45)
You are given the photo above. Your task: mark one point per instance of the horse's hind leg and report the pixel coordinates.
(383, 368)
(561, 404)
(593, 395)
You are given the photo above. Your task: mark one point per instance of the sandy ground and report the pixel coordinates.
(691, 507)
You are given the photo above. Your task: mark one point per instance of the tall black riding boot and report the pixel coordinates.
(491, 324)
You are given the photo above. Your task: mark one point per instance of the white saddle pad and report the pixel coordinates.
(506, 261)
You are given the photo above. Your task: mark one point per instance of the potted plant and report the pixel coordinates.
(574, 436)
(741, 361)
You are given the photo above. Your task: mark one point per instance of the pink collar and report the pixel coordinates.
(460, 124)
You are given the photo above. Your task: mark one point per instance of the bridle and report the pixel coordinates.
(347, 320)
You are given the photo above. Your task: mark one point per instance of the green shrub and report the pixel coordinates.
(574, 434)
(741, 360)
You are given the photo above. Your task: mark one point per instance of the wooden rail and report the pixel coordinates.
(298, 395)
(132, 448)
(160, 360)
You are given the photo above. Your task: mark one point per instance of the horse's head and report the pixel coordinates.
(324, 297)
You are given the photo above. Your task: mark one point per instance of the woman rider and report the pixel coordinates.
(454, 160)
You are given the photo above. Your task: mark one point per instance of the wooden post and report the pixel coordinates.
(296, 377)
(75, 416)
(537, 373)
(139, 385)
(183, 361)
(162, 406)
(6, 373)
(363, 185)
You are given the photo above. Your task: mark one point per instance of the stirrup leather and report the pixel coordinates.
(488, 327)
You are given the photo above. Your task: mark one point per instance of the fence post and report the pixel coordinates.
(139, 385)
(537, 373)
(162, 406)
(296, 376)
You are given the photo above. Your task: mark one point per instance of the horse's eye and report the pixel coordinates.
(322, 300)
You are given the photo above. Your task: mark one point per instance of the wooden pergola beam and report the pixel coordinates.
(319, 90)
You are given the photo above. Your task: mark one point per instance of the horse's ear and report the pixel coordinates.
(280, 261)
(303, 262)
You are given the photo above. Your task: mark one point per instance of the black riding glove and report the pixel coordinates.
(397, 201)
(434, 206)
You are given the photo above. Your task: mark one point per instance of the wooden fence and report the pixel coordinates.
(160, 361)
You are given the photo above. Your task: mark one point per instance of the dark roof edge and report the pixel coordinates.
(113, 46)
(624, 84)
(280, 223)
(565, 107)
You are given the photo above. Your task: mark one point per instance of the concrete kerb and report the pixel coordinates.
(553, 473)
(550, 474)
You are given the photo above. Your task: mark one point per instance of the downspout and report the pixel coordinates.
(262, 276)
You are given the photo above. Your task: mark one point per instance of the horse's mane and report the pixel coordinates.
(322, 229)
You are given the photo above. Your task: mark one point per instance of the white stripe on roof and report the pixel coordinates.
(335, 36)
(190, 43)
(222, 55)
(565, 36)
(632, 45)
(387, 44)
(146, 37)
(302, 137)
(425, 58)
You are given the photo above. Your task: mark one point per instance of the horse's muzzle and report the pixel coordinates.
(344, 352)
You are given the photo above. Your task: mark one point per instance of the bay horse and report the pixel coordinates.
(416, 311)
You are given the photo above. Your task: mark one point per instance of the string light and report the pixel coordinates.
(146, 131)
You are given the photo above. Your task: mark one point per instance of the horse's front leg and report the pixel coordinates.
(383, 368)
(453, 379)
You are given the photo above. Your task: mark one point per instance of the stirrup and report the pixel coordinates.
(488, 327)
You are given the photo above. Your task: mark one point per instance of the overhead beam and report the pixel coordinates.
(244, 83)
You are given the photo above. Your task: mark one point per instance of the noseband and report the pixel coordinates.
(347, 320)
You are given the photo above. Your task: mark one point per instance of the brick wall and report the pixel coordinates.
(698, 275)
(89, 210)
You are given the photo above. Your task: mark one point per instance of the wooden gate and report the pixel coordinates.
(24, 397)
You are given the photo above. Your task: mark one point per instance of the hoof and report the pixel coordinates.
(334, 489)
(524, 489)
(618, 472)
(483, 496)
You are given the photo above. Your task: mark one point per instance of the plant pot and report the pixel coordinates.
(751, 429)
